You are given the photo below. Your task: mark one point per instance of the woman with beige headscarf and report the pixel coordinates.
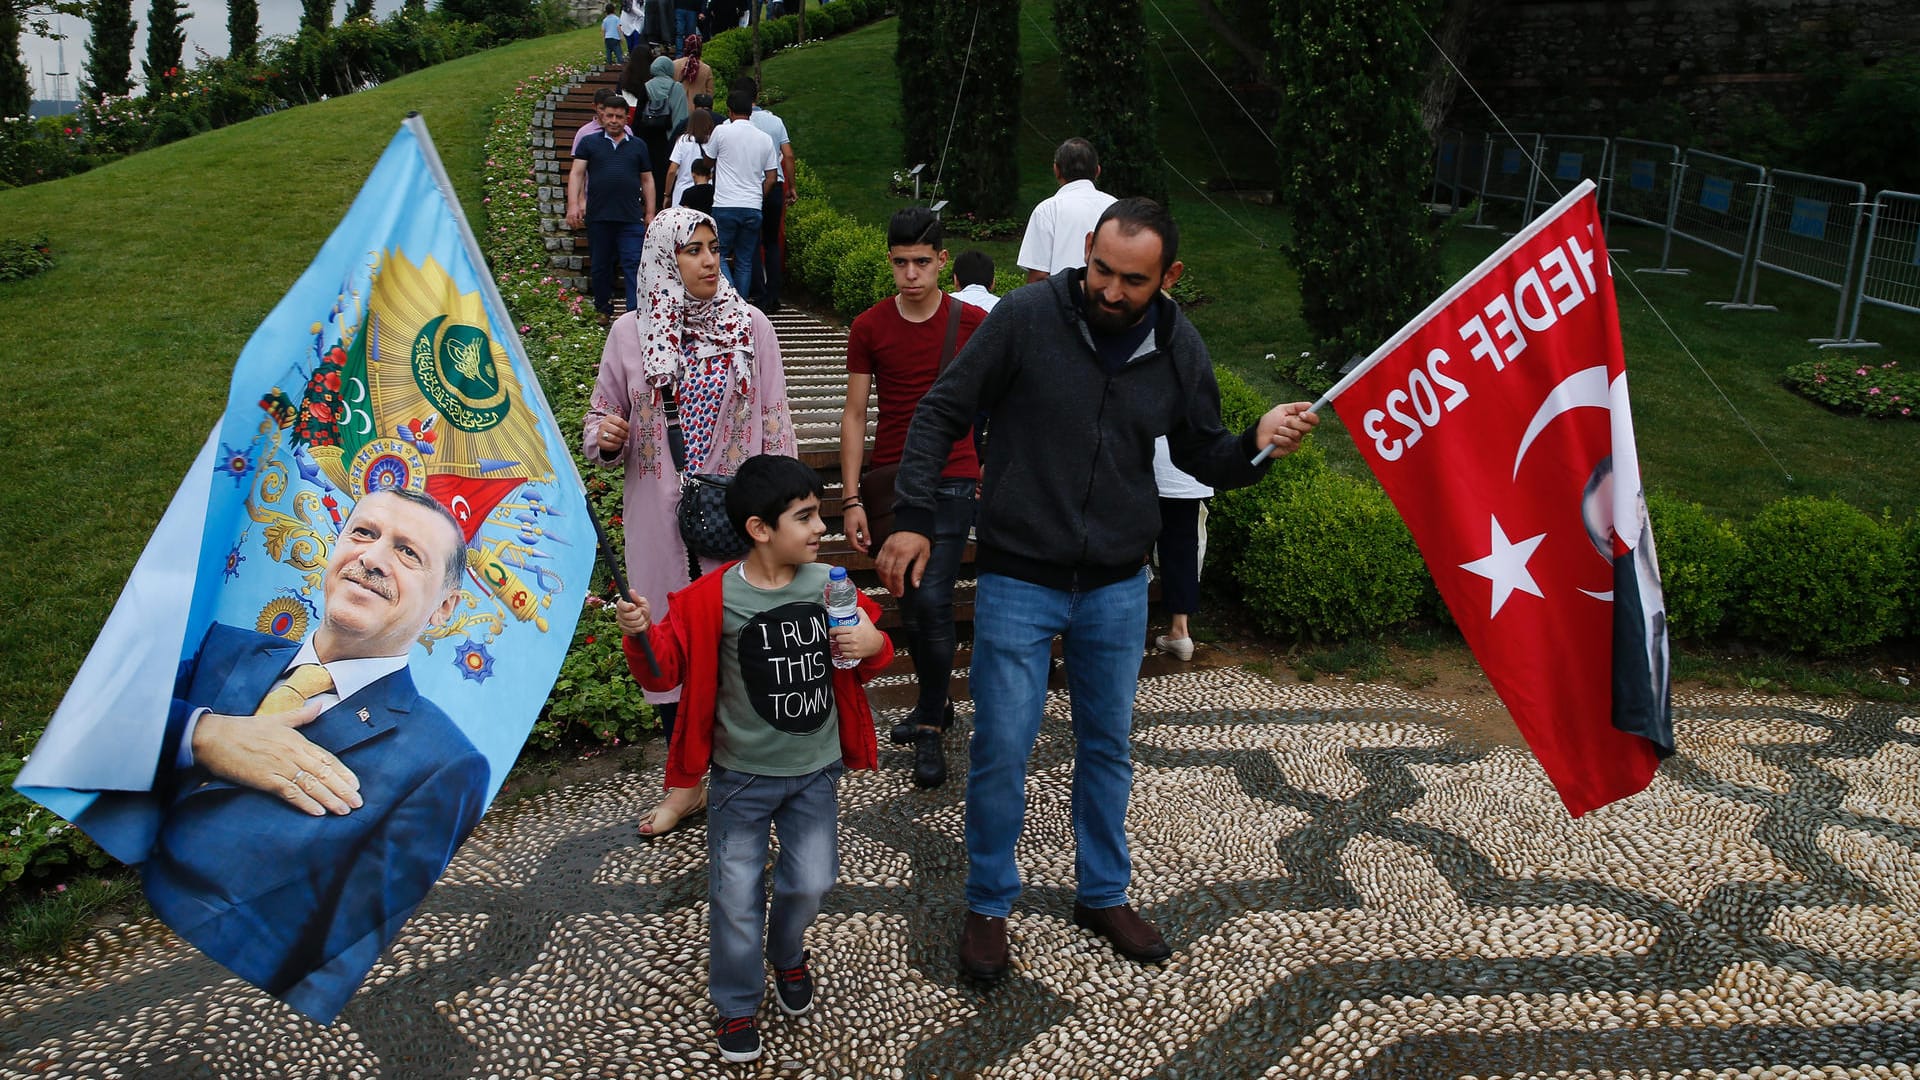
(694, 337)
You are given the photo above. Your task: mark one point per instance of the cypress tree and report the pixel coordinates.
(981, 173)
(316, 14)
(243, 30)
(358, 9)
(923, 119)
(1356, 159)
(166, 41)
(1103, 63)
(110, 49)
(16, 90)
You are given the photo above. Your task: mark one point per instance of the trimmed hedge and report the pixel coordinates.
(731, 51)
(1331, 559)
(1701, 563)
(1822, 577)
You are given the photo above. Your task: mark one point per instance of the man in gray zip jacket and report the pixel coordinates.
(1081, 372)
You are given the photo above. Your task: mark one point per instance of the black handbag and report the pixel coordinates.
(704, 525)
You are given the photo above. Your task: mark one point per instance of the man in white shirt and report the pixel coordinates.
(773, 210)
(746, 165)
(1056, 237)
(973, 272)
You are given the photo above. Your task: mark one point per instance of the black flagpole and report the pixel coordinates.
(614, 562)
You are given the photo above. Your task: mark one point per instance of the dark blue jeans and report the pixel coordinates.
(927, 610)
(613, 50)
(685, 21)
(742, 810)
(767, 272)
(738, 230)
(615, 246)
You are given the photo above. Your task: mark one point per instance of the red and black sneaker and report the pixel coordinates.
(739, 1038)
(794, 988)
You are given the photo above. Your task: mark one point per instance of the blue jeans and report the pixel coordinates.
(613, 50)
(926, 611)
(1014, 624)
(615, 245)
(742, 808)
(739, 236)
(685, 21)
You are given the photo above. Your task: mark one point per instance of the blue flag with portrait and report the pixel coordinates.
(292, 733)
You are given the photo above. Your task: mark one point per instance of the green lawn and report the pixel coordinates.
(1693, 443)
(115, 363)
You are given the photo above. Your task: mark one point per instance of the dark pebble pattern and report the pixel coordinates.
(1353, 887)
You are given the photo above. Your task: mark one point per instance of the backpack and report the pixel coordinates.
(656, 117)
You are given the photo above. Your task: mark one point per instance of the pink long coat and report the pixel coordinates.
(752, 422)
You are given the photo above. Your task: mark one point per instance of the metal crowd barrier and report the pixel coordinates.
(1890, 273)
(1809, 229)
(1509, 175)
(1719, 207)
(1643, 188)
(1567, 160)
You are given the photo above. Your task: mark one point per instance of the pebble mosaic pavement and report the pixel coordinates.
(1353, 884)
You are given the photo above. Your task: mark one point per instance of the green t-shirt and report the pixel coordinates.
(775, 713)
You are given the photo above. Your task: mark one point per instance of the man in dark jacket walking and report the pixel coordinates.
(1081, 372)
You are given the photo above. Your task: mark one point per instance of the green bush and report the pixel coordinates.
(1232, 515)
(1822, 577)
(821, 258)
(594, 696)
(822, 23)
(863, 276)
(806, 220)
(1855, 386)
(1702, 559)
(1910, 547)
(1331, 559)
(24, 258)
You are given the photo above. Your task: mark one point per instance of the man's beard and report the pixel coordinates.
(1104, 320)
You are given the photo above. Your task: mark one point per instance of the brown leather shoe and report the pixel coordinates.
(983, 947)
(1133, 936)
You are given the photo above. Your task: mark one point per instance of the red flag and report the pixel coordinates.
(1498, 422)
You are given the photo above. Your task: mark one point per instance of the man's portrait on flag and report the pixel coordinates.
(337, 639)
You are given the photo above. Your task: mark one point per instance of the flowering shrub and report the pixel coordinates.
(1845, 384)
(34, 843)
(24, 258)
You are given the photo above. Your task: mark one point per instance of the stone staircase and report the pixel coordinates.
(814, 352)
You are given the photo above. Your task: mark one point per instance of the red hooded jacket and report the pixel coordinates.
(687, 644)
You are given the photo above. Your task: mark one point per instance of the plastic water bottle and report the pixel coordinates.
(843, 608)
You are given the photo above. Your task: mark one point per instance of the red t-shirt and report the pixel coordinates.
(903, 358)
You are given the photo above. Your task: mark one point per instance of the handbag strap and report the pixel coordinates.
(953, 336)
(677, 447)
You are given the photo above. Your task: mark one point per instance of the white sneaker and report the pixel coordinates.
(1181, 648)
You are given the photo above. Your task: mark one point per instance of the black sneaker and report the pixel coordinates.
(929, 758)
(740, 1039)
(794, 988)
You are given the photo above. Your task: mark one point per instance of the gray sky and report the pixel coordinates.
(207, 29)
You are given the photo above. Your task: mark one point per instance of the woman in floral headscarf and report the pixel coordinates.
(695, 337)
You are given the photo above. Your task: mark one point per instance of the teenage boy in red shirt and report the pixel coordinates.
(895, 346)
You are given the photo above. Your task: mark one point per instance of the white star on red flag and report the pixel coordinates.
(1506, 567)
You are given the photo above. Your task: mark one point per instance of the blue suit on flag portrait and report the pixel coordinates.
(302, 905)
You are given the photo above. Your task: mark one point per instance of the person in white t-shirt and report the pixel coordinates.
(1181, 549)
(687, 149)
(746, 166)
(973, 272)
(1056, 237)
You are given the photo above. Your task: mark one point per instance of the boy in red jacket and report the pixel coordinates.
(764, 710)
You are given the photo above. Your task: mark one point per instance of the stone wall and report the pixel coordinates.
(1674, 69)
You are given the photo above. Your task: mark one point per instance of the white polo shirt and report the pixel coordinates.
(1056, 237)
(742, 154)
